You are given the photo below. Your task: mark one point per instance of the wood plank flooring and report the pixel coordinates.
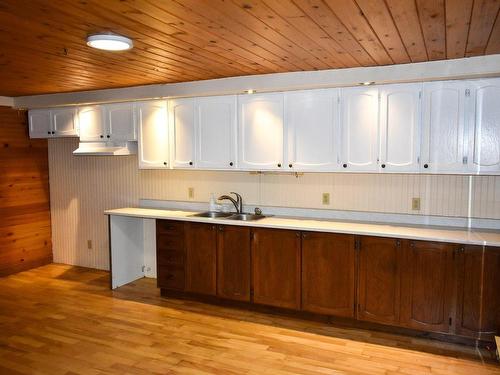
(60, 319)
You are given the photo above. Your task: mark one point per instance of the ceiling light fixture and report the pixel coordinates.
(109, 42)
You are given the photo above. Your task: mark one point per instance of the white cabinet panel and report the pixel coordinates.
(120, 122)
(216, 132)
(91, 121)
(182, 122)
(153, 135)
(65, 122)
(486, 134)
(260, 126)
(359, 129)
(40, 123)
(444, 128)
(311, 119)
(400, 127)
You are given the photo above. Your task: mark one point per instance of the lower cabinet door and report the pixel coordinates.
(201, 255)
(379, 280)
(427, 286)
(233, 262)
(328, 273)
(276, 267)
(478, 298)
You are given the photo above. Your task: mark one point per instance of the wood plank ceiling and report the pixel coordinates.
(43, 50)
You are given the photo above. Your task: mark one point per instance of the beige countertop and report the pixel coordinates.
(417, 232)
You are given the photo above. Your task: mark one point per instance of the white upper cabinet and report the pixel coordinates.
(400, 127)
(92, 127)
(153, 134)
(40, 123)
(444, 128)
(182, 122)
(216, 132)
(260, 131)
(59, 122)
(311, 121)
(485, 132)
(121, 122)
(359, 129)
(65, 122)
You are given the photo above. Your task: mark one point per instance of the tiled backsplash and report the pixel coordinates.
(83, 187)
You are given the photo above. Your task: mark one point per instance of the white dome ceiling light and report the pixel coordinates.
(109, 42)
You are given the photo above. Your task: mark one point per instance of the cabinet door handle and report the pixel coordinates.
(164, 163)
(231, 163)
(290, 165)
(426, 165)
(344, 165)
(101, 136)
(108, 136)
(190, 163)
(383, 165)
(279, 165)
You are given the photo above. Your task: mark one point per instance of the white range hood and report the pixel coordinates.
(106, 148)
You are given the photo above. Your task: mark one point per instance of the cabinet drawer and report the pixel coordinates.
(170, 227)
(170, 257)
(170, 242)
(171, 278)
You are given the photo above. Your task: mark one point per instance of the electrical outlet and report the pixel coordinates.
(415, 204)
(89, 244)
(191, 193)
(326, 198)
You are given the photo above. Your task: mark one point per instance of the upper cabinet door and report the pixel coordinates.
(216, 132)
(91, 121)
(120, 122)
(359, 129)
(261, 130)
(153, 134)
(182, 122)
(443, 127)
(40, 123)
(311, 119)
(400, 127)
(65, 122)
(486, 135)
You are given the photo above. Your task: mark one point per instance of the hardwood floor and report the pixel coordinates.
(60, 319)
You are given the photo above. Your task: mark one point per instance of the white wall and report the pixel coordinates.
(81, 188)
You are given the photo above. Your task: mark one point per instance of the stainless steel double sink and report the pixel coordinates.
(229, 216)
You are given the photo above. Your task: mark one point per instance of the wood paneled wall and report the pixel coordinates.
(25, 230)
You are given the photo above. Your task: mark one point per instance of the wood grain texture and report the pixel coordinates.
(84, 328)
(178, 41)
(24, 196)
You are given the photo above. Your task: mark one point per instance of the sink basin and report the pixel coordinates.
(213, 214)
(245, 217)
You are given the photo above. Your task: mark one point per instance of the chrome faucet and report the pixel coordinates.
(238, 202)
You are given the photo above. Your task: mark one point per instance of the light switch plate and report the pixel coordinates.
(191, 193)
(89, 244)
(326, 198)
(415, 204)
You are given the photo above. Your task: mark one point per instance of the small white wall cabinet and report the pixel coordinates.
(311, 122)
(215, 130)
(260, 131)
(444, 127)
(359, 129)
(484, 136)
(92, 127)
(121, 122)
(153, 134)
(48, 123)
(400, 116)
(110, 122)
(182, 124)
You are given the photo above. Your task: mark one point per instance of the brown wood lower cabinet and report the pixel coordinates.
(478, 301)
(427, 286)
(379, 280)
(422, 285)
(276, 267)
(328, 273)
(233, 262)
(201, 255)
